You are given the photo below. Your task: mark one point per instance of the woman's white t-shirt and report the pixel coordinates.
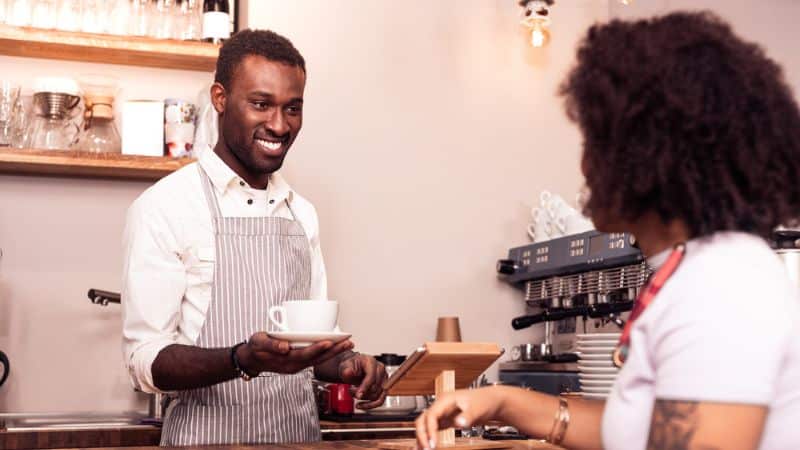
(724, 328)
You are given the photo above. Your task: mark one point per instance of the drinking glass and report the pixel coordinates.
(190, 21)
(18, 12)
(9, 93)
(69, 15)
(140, 18)
(162, 25)
(44, 14)
(95, 16)
(3, 4)
(20, 120)
(119, 17)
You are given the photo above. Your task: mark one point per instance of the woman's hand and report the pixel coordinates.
(462, 408)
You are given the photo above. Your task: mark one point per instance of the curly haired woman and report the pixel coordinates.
(691, 143)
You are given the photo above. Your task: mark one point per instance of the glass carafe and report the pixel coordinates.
(53, 127)
(100, 133)
(53, 134)
(100, 137)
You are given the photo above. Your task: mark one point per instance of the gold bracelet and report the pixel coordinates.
(560, 423)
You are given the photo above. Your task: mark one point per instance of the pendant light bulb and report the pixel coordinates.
(539, 36)
(536, 16)
(626, 2)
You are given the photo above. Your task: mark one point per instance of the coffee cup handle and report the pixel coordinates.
(544, 198)
(532, 231)
(278, 323)
(561, 224)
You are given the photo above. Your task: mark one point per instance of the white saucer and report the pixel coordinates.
(598, 343)
(597, 377)
(300, 339)
(593, 357)
(596, 390)
(597, 350)
(595, 396)
(597, 370)
(598, 337)
(597, 383)
(592, 363)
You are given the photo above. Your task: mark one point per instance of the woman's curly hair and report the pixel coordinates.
(682, 118)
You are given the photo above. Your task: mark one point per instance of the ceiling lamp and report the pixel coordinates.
(536, 16)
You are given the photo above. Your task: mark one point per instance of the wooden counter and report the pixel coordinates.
(348, 445)
(144, 435)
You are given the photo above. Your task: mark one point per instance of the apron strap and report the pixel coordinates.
(291, 211)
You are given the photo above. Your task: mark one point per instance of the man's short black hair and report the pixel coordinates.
(268, 44)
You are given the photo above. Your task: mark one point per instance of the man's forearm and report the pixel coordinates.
(329, 370)
(180, 367)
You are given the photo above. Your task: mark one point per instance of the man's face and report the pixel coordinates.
(262, 112)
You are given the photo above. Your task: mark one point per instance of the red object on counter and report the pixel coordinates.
(340, 399)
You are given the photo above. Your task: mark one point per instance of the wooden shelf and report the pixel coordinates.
(67, 163)
(103, 48)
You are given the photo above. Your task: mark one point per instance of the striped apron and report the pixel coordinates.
(261, 262)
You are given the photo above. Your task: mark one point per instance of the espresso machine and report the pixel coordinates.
(582, 283)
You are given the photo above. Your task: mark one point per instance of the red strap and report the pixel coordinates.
(647, 295)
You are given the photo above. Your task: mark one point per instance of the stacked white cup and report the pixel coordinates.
(554, 217)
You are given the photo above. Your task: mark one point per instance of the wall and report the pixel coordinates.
(430, 129)
(59, 238)
(771, 23)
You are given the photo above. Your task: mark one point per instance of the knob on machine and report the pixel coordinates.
(507, 266)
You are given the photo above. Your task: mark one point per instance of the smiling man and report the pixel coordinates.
(210, 248)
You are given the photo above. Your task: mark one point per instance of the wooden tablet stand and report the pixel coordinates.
(438, 368)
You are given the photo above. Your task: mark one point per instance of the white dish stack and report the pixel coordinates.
(595, 369)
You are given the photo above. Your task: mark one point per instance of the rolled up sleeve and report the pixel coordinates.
(153, 286)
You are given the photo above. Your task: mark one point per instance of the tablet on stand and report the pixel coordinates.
(438, 368)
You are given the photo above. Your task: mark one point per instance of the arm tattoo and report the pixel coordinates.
(673, 425)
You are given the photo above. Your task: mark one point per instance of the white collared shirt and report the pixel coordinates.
(168, 248)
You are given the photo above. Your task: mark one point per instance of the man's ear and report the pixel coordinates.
(218, 96)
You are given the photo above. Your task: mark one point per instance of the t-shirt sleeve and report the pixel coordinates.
(726, 348)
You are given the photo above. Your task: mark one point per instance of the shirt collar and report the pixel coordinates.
(223, 177)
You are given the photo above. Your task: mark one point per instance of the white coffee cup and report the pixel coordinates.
(318, 316)
(545, 198)
(559, 208)
(577, 223)
(538, 229)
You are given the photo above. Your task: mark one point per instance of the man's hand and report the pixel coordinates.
(369, 375)
(262, 353)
